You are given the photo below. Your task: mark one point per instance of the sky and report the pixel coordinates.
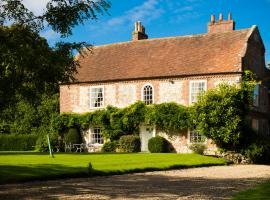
(164, 18)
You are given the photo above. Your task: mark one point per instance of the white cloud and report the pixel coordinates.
(50, 35)
(36, 6)
(146, 12)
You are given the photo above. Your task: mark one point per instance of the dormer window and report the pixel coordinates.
(147, 94)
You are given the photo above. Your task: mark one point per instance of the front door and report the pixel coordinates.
(146, 133)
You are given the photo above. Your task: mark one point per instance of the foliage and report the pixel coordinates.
(220, 114)
(60, 15)
(130, 143)
(73, 137)
(258, 151)
(15, 142)
(168, 116)
(158, 145)
(42, 142)
(22, 166)
(116, 122)
(25, 118)
(197, 148)
(110, 146)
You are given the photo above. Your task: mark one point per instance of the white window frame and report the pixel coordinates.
(91, 134)
(153, 92)
(189, 136)
(196, 81)
(90, 96)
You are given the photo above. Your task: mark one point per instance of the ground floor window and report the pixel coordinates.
(96, 136)
(196, 137)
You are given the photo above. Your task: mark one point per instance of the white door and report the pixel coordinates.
(146, 133)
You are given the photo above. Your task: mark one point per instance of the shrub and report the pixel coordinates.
(110, 146)
(258, 153)
(16, 142)
(42, 142)
(73, 136)
(198, 148)
(130, 143)
(158, 145)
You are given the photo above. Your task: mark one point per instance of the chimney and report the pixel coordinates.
(221, 25)
(139, 32)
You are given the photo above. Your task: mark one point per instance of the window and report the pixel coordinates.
(148, 94)
(96, 136)
(96, 97)
(255, 124)
(256, 95)
(195, 137)
(196, 87)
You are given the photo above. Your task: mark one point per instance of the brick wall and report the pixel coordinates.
(75, 97)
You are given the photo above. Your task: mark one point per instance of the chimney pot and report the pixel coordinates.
(212, 19)
(230, 16)
(139, 32)
(220, 17)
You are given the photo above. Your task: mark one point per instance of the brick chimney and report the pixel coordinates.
(221, 25)
(139, 32)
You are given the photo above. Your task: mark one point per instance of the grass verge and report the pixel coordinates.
(261, 192)
(26, 166)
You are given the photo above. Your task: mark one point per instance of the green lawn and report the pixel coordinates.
(260, 192)
(23, 166)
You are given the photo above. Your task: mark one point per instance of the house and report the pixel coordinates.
(172, 69)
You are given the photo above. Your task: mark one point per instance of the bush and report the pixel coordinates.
(130, 143)
(110, 146)
(73, 136)
(42, 142)
(15, 142)
(158, 145)
(198, 148)
(258, 153)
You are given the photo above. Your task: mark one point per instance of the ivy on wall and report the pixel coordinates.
(116, 122)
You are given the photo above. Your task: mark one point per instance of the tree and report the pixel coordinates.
(30, 70)
(220, 113)
(60, 15)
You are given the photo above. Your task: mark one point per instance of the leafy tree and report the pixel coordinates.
(220, 114)
(60, 15)
(30, 70)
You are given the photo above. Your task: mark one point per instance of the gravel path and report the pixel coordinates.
(198, 183)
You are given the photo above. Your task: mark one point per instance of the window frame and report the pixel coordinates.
(90, 96)
(195, 81)
(91, 136)
(153, 93)
(189, 137)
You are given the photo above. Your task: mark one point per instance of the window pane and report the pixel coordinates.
(148, 94)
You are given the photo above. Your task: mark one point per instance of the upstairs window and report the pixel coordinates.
(196, 88)
(148, 94)
(96, 137)
(96, 97)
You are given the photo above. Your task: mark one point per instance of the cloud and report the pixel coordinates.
(146, 12)
(50, 35)
(36, 6)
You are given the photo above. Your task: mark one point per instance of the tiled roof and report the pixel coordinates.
(165, 57)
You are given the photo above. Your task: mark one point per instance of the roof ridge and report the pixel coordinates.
(172, 37)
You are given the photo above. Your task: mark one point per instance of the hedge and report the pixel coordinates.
(158, 144)
(16, 142)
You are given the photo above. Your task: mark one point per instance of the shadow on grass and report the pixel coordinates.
(16, 174)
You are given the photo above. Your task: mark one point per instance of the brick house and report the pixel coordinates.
(173, 69)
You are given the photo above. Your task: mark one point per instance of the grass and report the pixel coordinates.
(260, 192)
(25, 166)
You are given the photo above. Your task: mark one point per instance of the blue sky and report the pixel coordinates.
(163, 18)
